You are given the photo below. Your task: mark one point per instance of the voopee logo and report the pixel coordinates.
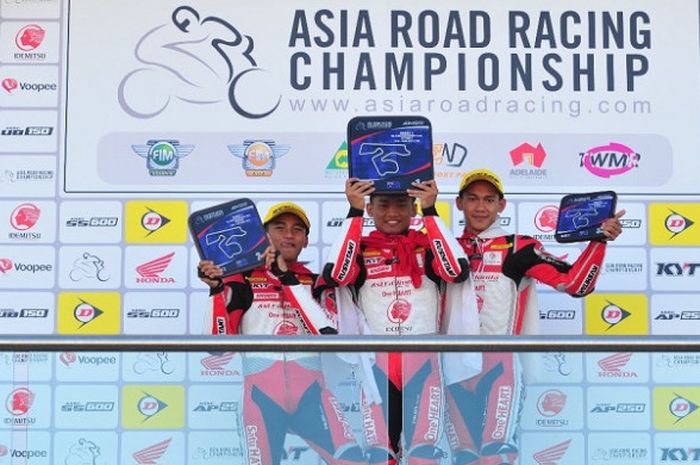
(221, 67)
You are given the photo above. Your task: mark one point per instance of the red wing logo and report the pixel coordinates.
(151, 454)
(217, 362)
(552, 455)
(534, 156)
(615, 362)
(154, 268)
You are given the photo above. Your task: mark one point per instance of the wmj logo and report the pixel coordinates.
(197, 60)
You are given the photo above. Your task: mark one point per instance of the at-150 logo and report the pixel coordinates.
(27, 131)
(24, 313)
(676, 269)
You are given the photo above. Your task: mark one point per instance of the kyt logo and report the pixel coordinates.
(533, 156)
(9, 85)
(613, 314)
(30, 37)
(676, 454)
(676, 269)
(551, 403)
(680, 407)
(609, 160)
(152, 221)
(162, 156)
(612, 366)
(546, 218)
(676, 223)
(25, 216)
(552, 455)
(150, 271)
(19, 401)
(149, 406)
(85, 312)
(150, 455)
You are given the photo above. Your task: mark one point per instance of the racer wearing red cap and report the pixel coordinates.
(392, 282)
(282, 391)
(484, 409)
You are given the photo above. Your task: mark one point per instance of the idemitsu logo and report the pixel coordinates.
(609, 160)
(29, 37)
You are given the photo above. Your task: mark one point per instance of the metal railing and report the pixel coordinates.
(33, 343)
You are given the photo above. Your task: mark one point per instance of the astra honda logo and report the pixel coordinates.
(676, 269)
(162, 156)
(150, 271)
(19, 401)
(680, 407)
(551, 403)
(613, 314)
(149, 406)
(152, 221)
(546, 218)
(609, 160)
(24, 216)
(612, 366)
(552, 455)
(85, 312)
(399, 311)
(676, 223)
(151, 454)
(234, 75)
(30, 37)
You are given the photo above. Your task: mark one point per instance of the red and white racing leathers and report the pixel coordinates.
(485, 409)
(283, 391)
(393, 285)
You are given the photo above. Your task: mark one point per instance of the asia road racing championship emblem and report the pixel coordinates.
(399, 311)
(162, 156)
(676, 223)
(85, 312)
(259, 156)
(19, 401)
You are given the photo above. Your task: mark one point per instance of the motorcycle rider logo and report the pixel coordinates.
(83, 452)
(88, 266)
(197, 60)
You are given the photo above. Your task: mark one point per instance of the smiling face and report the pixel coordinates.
(392, 213)
(289, 235)
(481, 203)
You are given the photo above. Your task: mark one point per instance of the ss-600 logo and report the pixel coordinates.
(92, 222)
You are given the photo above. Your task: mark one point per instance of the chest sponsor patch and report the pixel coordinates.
(492, 258)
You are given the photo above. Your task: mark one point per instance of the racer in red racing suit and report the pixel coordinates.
(395, 279)
(484, 409)
(282, 391)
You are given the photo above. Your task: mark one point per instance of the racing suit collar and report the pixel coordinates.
(493, 231)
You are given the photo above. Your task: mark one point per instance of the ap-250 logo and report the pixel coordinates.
(198, 60)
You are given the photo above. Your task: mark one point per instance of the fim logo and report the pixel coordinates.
(150, 455)
(552, 455)
(676, 223)
(85, 312)
(259, 156)
(162, 156)
(613, 314)
(680, 407)
(149, 406)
